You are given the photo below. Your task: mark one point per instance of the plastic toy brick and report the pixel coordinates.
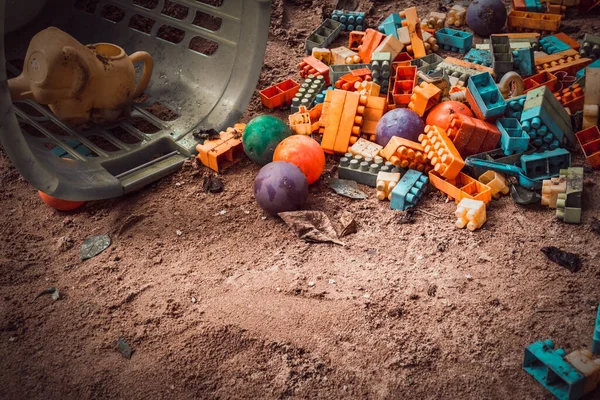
(430, 42)
(402, 59)
(453, 40)
(528, 5)
(391, 24)
(470, 214)
(386, 181)
(320, 99)
(324, 35)
(404, 38)
(280, 95)
(351, 20)
(435, 20)
(322, 54)
(502, 57)
(514, 45)
(556, 9)
(592, 97)
(363, 170)
(550, 190)
(312, 66)
(461, 187)
(461, 70)
(589, 140)
(471, 135)
(355, 39)
(484, 97)
(222, 153)
(568, 204)
(409, 190)
(365, 148)
(424, 97)
(367, 88)
(581, 73)
(496, 182)
(389, 45)
(307, 94)
(347, 82)
(546, 164)
(590, 47)
(514, 107)
(417, 46)
(513, 140)
(441, 152)
(571, 98)
(404, 82)
(343, 55)
(337, 71)
(547, 366)
(381, 69)
(300, 122)
(528, 36)
(428, 63)
(542, 79)
(568, 60)
(370, 41)
(596, 339)
(458, 93)
(76, 145)
(406, 154)
(583, 362)
(532, 21)
(557, 43)
(524, 61)
(456, 16)
(480, 57)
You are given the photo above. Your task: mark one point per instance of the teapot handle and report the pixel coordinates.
(146, 74)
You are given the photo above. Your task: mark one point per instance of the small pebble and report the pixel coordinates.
(311, 284)
(331, 282)
(179, 233)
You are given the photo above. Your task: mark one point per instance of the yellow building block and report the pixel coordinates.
(343, 55)
(386, 181)
(365, 148)
(323, 55)
(582, 361)
(470, 214)
(495, 181)
(367, 88)
(424, 97)
(550, 190)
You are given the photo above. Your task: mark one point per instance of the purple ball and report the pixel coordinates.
(485, 17)
(399, 122)
(280, 186)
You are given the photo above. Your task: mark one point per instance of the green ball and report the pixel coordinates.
(261, 137)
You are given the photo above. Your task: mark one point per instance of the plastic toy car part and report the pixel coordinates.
(363, 170)
(343, 55)
(322, 54)
(592, 97)
(391, 24)
(350, 20)
(568, 60)
(435, 20)
(409, 190)
(406, 154)
(583, 361)
(544, 78)
(470, 214)
(590, 47)
(496, 182)
(324, 35)
(456, 17)
(502, 57)
(530, 21)
(306, 95)
(365, 148)
(312, 66)
(589, 140)
(370, 41)
(424, 97)
(507, 169)
(471, 135)
(547, 366)
(454, 40)
(417, 46)
(381, 68)
(461, 187)
(441, 152)
(220, 154)
(572, 98)
(513, 139)
(568, 204)
(484, 97)
(386, 181)
(550, 190)
(480, 57)
(279, 95)
(405, 80)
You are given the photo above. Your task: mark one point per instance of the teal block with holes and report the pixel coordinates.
(409, 190)
(391, 24)
(454, 40)
(546, 164)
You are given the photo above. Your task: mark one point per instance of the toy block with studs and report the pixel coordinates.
(386, 181)
(569, 61)
(557, 43)
(515, 106)
(550, 190)
(424, 97)
(572, 98)
(456, 17)
(367, 88)
(583, 361)
(502, 56)
(343, 55)
(459, 71)
(470, 214)
(524, 61)
(406, 154)
(568, 204)
(496, 182)
(391, 24)
(435, 20)
(428, 63)
(389, 45)
(545, 164)
(592, 97)
(350, 20)
(589, 140)
(347, 82)
(590, 47)
(365, 148)
(279, 95)
(381, 69)
(324, 35)
(471, 135)
(484, 97)
(417, 45)
(441, 152)
(363, 170)
(337, 71)
(409, 190)
(544, 78)
(300, 122)
(370, 41)
(454, 40)
(405, 80)
(513, 139)
(323, 55)
(308, 92)
(220, 154)
(480, 57)
(521, 21)
(548, 366)
(430, 42)
(312, 66)
(461, 187)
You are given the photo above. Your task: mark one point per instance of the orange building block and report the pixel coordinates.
(279, 95)
(417, 45)
(346, 82)
(571, 98)
(467, 64)
(471, 135)
(441, 152)
(461, 187)
(355, 40)
(406, 154)
(370, 41)
(312, 66)
(589, 140)
(222, 153)
(544, 78)
(563, 37)
(556, 9)
(519, 5)
(405, 80)
(568, 60)
(521, 21)
(424, 97)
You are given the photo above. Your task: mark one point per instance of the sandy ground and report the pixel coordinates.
(236, 306)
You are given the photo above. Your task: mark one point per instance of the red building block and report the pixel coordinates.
(571, 98)
(312, 66)
(589, 140)
(405, 80)
(472, 135)
(370, 41)
(544, 78)
(280, 95)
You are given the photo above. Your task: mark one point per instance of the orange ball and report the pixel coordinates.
(441, 114)
(305, 153)
(58, 204)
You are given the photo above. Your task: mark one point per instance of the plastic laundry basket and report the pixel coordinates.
(207, 53)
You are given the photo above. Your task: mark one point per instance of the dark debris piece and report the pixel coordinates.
(94, 245)
(595, 226)
(212, 184)
(53, 291)
(124, 348)
(209, 134)
(407, 217)
(570, 261)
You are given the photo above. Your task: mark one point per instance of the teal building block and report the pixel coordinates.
(543, 130)
(324, 35)
(454, 40)
(351, 20)
(581, 72)
(487, 95)
(552, 44)
(596, 339)
(513, 140)
(534, 6)
(480, 57)
(320, 99)
(514, 107)
(546, 164)
(524, 61)
(548, 367)
(363, 170)
(409, 190)
(391, 24)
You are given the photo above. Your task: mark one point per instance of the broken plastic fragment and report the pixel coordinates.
(94, 245)
(570, 261)
(346, 188)
(124, 348)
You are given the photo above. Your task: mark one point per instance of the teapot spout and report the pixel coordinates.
(19, 88)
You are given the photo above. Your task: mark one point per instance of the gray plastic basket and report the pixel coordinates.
(200, 91)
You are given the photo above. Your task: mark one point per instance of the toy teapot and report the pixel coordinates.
(80, 83)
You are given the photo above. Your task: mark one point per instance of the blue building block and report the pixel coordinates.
(546, 164)
(524, 61)
(391, 25)
(487, 95)
(409, 190)
(320, 99)
(513, 139)
(514, 107)
(351, 20)
(548, 367)
(480, 57)
(76, 145)
(552, 44)
(596, 341)
(324, 35)
(542, 128)
(454, 40)
(534, 6)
